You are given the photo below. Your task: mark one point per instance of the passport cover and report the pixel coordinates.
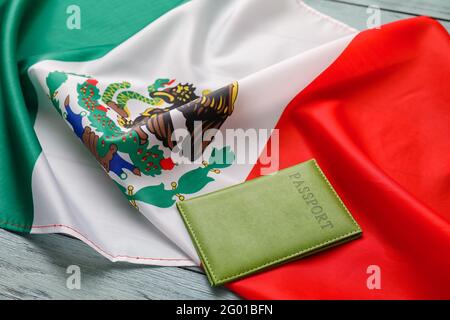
(266, 221)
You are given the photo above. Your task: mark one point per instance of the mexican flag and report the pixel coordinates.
(90, 106)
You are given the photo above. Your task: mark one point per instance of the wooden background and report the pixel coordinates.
(34, 266)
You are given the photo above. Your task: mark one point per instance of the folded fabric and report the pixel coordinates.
(377, 120)
(371, 107)
(85, 111)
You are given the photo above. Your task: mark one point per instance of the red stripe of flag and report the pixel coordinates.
(378, 123)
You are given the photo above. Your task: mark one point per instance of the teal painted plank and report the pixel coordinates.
(356, 15)
(34, 267)
(434, 8)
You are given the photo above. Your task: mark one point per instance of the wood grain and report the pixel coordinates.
(355, 15)
(439, 9)
(34, 267)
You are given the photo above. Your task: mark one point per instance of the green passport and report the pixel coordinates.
(266, 221)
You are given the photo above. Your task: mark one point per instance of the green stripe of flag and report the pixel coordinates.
(33, 31)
